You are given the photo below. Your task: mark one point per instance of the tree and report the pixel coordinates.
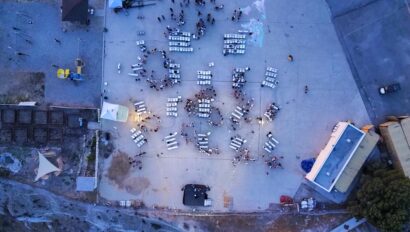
(383, 199)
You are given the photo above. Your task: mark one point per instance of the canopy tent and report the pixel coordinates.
(114, 112)
(44, 167)
(115, 3)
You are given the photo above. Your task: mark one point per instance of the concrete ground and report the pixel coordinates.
(301, 28)
(375, 35)
(36, 26)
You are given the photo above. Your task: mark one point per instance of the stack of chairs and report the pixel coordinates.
(181, 49)
(237, 142)
(238, 77)
(237, 114)
(180, 42)
(204, 77)
(271, 144)
(141, 45)
(140, 42)
(271, 112)
(172, 106)
(204, 108)
(135, 68)
(202, 141)
(171, 141)
(234, 44)
(138, 137)
(174, 73)
(140, 107)
(270, 78)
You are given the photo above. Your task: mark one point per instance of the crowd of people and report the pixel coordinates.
(242, 155)
(158, 82)
(237, 14)
(135, 163)
(274, 162)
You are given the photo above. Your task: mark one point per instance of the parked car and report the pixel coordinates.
(389, 88)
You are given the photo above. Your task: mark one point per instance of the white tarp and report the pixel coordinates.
(44, 167)
(109, 111)
(115, 3)
(114, 112)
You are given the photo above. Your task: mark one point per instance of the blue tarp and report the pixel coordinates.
(307, 164)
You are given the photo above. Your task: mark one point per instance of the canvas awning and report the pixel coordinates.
(44, 167)
(114, 112)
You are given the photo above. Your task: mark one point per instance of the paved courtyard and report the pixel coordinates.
(302, 127)
(32, 27)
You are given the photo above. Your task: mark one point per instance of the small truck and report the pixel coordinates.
(389, 88)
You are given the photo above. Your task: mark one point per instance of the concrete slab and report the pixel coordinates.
(33, 28)
(302, 126)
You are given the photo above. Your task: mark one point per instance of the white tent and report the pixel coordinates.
(114, 112)
(115, 3)
(109, 111)
(44, 167)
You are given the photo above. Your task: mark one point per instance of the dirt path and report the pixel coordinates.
(41, 210)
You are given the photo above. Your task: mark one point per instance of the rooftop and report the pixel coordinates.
(336, 155)
(74, 10)
(195, 194)
(395, 135)
(356, 162)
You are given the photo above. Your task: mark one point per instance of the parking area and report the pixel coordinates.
(374, 36)
(33, 39)
(315, 91)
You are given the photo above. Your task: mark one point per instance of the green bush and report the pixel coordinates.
(383, 199)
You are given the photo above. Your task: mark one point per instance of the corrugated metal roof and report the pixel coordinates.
(356, 162)
(397, 145)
